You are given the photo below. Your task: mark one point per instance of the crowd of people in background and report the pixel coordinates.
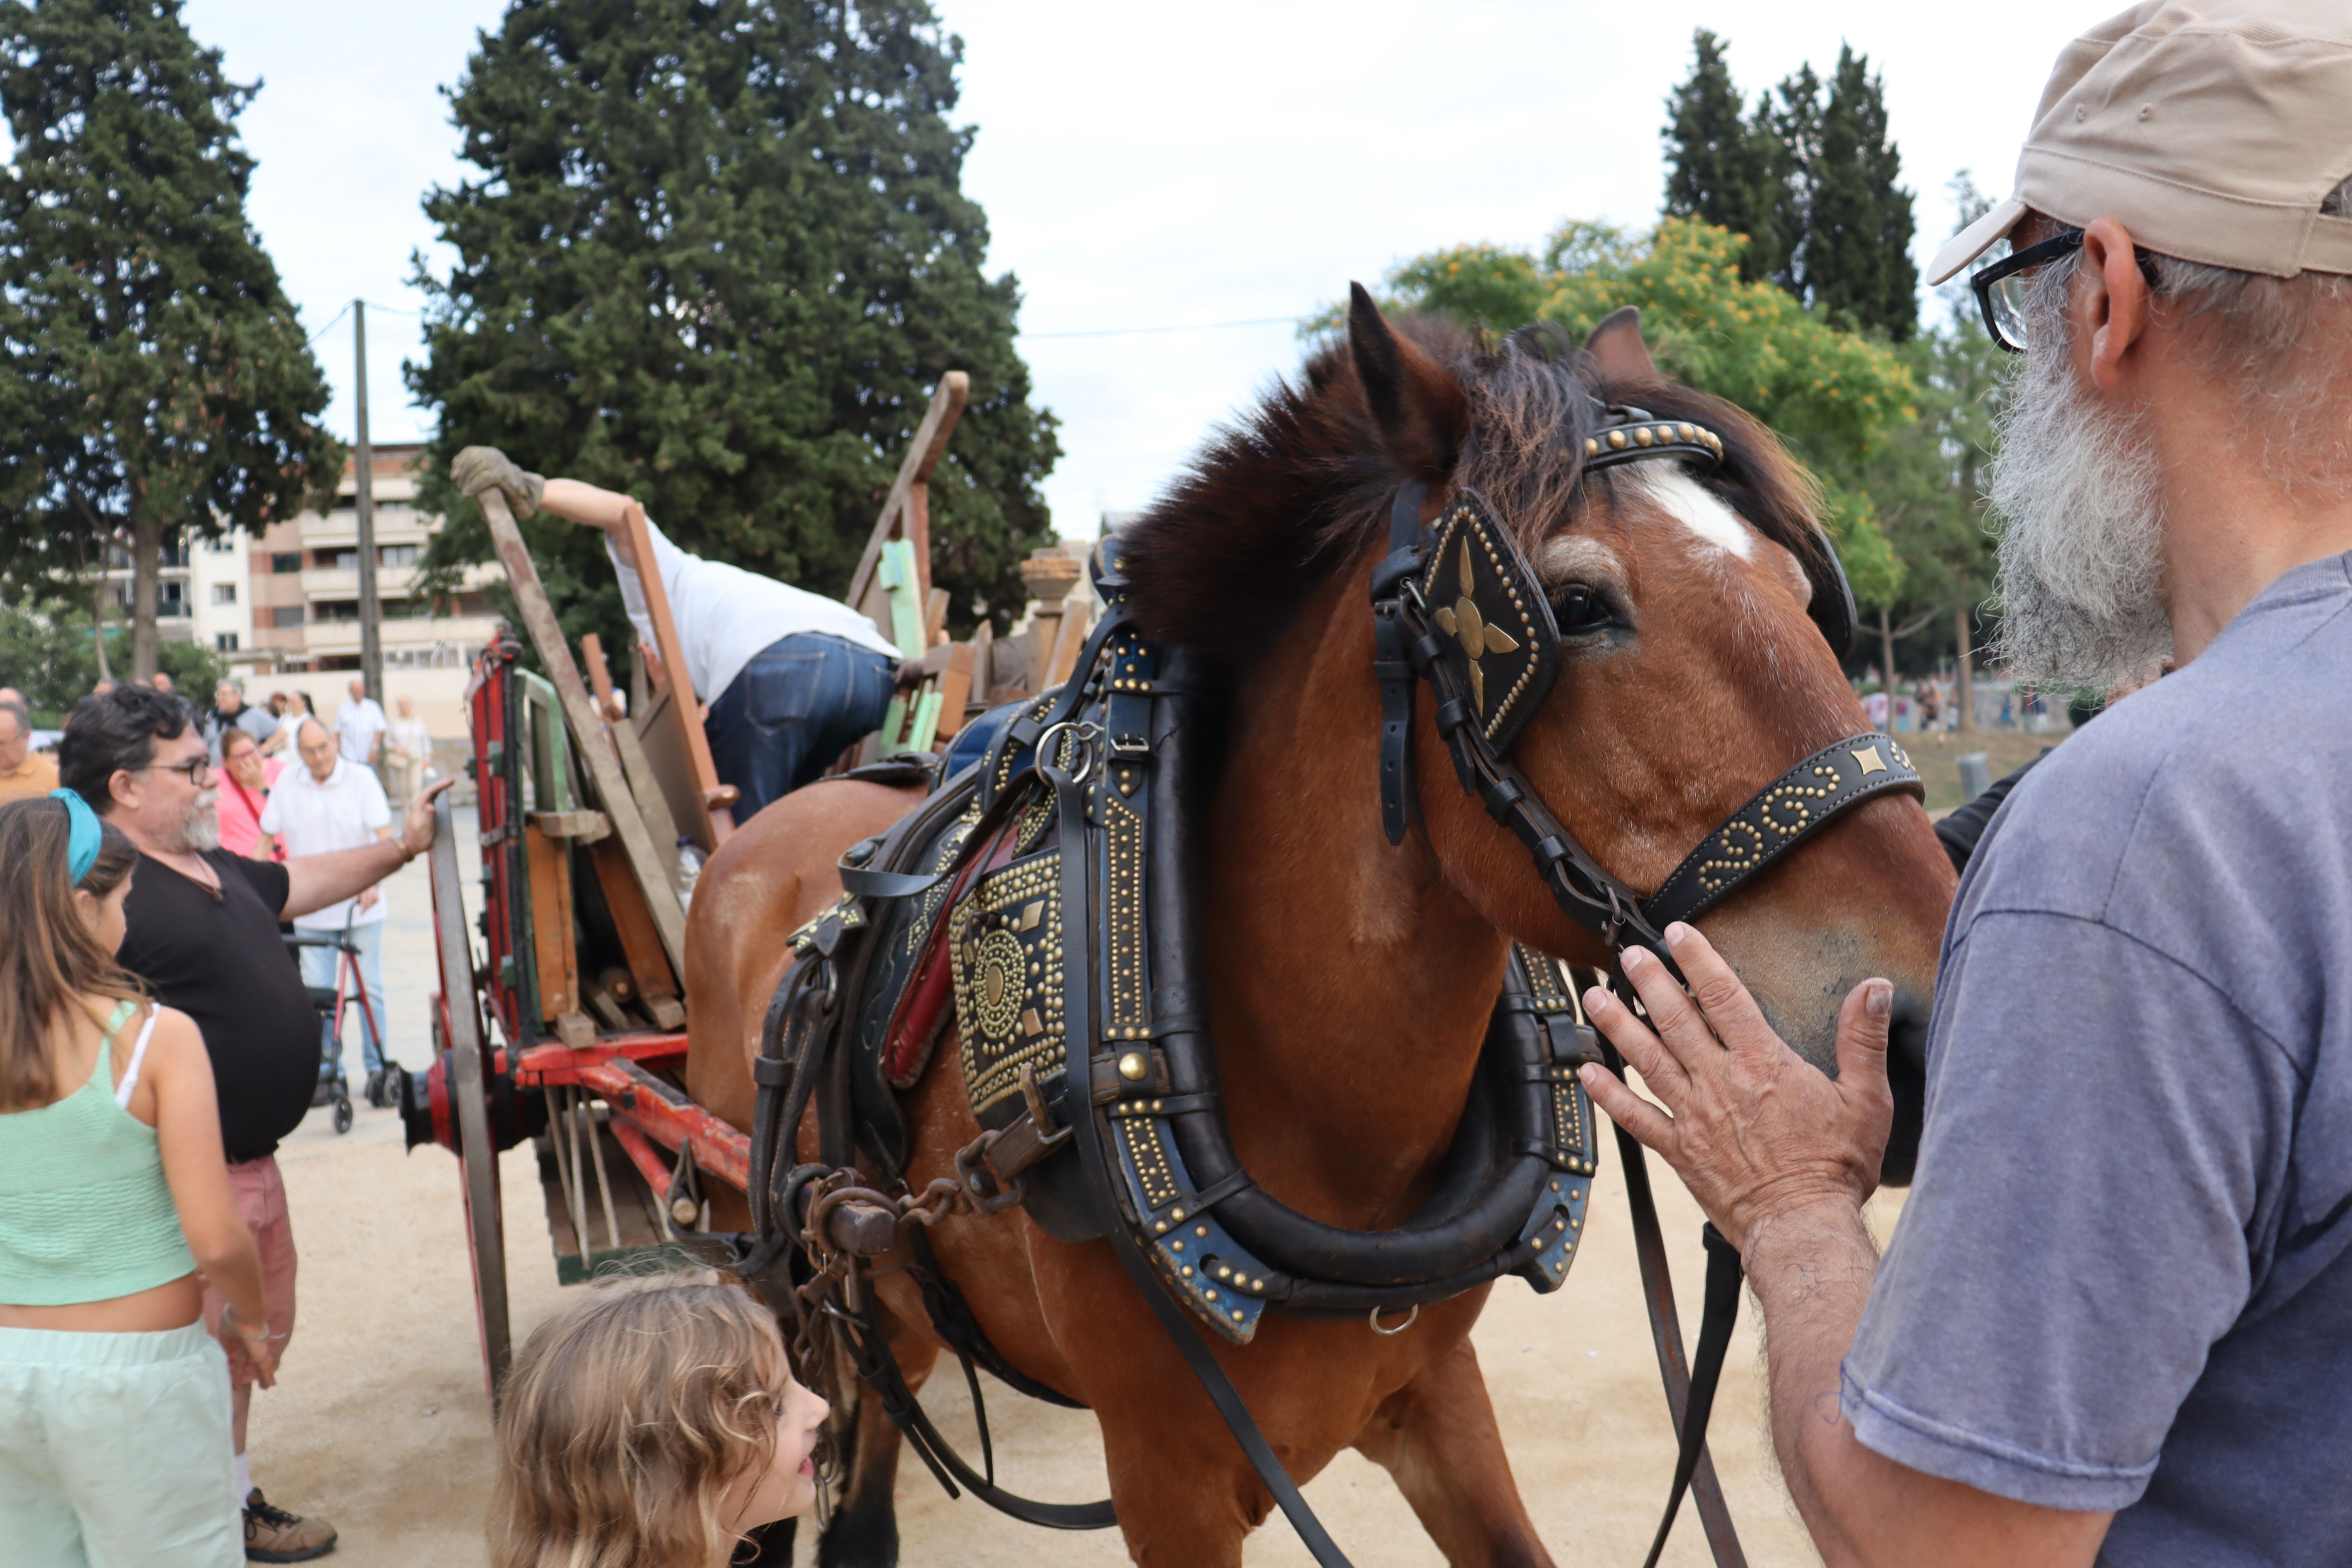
(215, 832)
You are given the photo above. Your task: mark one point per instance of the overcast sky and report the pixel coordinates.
(1157, 167)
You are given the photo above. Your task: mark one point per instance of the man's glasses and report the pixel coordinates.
(2002, 288)
(193, 770)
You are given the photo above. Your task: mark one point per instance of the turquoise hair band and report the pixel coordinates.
(81, 835)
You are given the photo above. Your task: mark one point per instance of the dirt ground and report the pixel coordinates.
(381, 1423)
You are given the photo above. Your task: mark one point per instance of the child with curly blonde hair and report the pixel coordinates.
(652, 1423)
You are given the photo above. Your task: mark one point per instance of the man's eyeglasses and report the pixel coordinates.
(195, 770)
(2002, 288)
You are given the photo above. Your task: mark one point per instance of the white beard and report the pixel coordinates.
(2081, 557)
(201, 831)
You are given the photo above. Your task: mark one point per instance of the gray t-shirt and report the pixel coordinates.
(2124, 1278)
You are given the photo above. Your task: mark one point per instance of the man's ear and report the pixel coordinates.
(1420, 407)
(1616, 346)
(122, 790)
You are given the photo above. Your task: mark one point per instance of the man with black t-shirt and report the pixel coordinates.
(203, 934)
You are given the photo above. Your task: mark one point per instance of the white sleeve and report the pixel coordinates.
(273, 820)
(632, 596)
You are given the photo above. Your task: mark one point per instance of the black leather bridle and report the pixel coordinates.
(1457, 604)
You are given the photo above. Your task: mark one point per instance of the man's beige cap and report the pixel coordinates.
(2212, 130)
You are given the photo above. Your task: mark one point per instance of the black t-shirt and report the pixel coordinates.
(219, 959)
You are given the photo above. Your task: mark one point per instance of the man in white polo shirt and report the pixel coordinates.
(791, 679)
(359, 726)
(331, 803)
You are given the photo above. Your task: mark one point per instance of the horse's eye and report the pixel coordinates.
(1579, 609)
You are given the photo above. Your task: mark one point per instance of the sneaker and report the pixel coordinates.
(273, 1535)
(375, 1089)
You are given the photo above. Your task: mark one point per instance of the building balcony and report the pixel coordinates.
(328, 638)
(397, 524)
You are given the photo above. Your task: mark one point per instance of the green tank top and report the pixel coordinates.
(85, 1214)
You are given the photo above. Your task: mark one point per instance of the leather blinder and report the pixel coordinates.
(1495, 632)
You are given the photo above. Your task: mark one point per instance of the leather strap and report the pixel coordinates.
(1721, 1313)
(1076, 964)
(1392, 668)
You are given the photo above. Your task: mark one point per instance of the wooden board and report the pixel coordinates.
(649, 870)
(707, 815)
(554, 951)
(644, 785)
(906, 510)
(640, 942)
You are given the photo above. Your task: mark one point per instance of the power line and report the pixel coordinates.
(330, 326)
(1144, 331)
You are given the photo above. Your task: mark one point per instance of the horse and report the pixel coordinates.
(1350, 980)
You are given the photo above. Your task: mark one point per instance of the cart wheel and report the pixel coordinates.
(476, 1154)
(342, 1113)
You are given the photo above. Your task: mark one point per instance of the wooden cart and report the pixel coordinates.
(560, 1017)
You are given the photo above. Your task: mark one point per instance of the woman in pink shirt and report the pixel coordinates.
(246, 778)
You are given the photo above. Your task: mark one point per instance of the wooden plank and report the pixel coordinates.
(955, 687)
(645, 784)
(554, 953)
(935, 615)
(630, 837)
(1070, 641)
(640, 942)
(712, 800)
(587, 827)
(930, 444)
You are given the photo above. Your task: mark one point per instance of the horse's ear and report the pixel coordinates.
(1421, 409)
(1616, 346)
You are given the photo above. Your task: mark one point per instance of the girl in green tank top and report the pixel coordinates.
(114, 1194)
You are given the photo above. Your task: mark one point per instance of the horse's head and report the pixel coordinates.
(1690, 601)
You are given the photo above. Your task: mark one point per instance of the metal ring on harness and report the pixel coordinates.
(1084, 733)
(1374, 1319)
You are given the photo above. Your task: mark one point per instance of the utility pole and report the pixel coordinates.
(363, 500)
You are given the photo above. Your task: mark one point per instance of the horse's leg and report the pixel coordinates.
(1179, 1505)
(864, 1530)
(1436, 1437)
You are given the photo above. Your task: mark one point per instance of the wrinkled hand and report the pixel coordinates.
(1754, 1129)
(416, 827)
(479, 469)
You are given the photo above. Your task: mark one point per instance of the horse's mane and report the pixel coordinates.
(1301, 486)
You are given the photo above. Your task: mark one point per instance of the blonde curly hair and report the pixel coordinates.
(625, 1420)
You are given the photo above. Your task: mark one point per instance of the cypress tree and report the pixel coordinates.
(1719, 168)
(1788, 124)
(1858, 264)
(716, 257)
(156, 381)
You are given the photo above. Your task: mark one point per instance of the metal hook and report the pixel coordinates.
(1084, 733)
(1374, 1319)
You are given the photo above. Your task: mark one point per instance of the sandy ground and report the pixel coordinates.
(381, 1423)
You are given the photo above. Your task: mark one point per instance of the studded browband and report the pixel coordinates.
(1458, 605)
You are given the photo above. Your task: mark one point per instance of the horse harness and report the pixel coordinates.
(1040, 902)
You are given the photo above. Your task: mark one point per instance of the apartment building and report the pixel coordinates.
(300, 588)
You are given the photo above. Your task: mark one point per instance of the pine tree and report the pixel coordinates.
(156, 381)
(1719, 168)
(1858, 264)
(1787, 123)
(716, 257)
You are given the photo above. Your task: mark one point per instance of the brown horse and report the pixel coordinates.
(1350, 982)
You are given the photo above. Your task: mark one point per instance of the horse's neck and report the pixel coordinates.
(1350, 984)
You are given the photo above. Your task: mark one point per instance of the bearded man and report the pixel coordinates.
(202, 932)
(2114, 1320)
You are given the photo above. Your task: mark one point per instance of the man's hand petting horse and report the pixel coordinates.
(1758, 1133)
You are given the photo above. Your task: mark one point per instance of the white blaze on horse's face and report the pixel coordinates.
(1696, 507)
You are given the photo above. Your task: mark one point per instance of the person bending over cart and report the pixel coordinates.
(800, 678)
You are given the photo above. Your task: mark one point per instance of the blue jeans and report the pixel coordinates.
(319, 969)
(801, 702)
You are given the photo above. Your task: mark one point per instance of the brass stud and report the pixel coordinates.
(1178, 1245)
(1134, 1067)
(1210, 1295)
(1616, 440)
(1237, 1314)
(1178, 1217)
(1591, 448)
(1643, 437)
(1200, 1230)
(1186, 1271)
